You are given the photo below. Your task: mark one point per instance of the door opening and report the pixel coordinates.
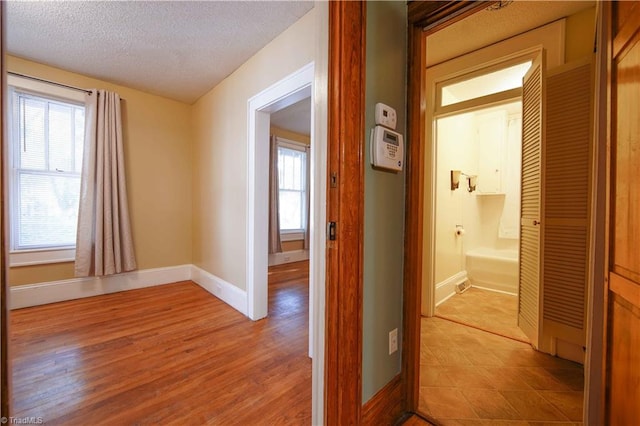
(477, 233)
(477, 138)
(290, 90)
(290, 182)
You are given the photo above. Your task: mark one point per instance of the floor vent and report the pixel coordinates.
(463, 286)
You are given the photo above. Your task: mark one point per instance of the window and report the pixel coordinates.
(484, 84)
(292, 180)
(46, 143)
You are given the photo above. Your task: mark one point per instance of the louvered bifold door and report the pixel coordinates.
(566, 169)
(531, 206)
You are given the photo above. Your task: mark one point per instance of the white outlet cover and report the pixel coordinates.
(393, 341)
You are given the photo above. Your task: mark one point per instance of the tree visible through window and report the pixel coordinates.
(47, 137)
(292, 175)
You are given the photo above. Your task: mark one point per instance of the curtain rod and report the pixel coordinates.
(48, 81)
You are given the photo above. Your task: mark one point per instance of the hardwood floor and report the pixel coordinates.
(172, 354)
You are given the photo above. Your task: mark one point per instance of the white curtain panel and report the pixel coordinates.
(104, 243)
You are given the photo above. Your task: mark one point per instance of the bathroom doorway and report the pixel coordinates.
(477, 204)
(466, 374)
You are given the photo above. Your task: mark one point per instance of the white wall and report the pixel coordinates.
(456, 150)
(220, 151)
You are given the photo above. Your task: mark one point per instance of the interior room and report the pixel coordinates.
(185, 148)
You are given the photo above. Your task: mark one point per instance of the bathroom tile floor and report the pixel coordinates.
(471, 377)
(484, 309)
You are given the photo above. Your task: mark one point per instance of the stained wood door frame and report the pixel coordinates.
(5, 372)
(345, 207)
(424, 19)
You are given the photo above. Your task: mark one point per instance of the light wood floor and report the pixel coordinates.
(172, 354)
(471, 377)
(484, 309)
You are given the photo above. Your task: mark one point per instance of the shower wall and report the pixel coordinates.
(486, 143)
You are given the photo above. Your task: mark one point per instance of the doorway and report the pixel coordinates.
(290, 182)
(429, 206)
(289, 91)
(477, 215)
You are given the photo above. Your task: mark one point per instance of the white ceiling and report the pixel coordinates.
(295, 118)
(176, 49)
(487, 27)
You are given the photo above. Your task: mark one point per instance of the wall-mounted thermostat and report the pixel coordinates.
(386, 116)
(387, 149)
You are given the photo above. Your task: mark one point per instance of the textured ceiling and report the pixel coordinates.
(177, 49)
(487, 27)
(295, 118)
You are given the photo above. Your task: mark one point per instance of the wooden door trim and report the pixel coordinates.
(424, 18)
(5, 371)
(345, 207)
(414, 205)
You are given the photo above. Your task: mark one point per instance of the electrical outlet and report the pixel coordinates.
(393, 341)
(287, 258)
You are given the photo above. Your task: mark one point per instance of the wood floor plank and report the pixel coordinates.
(172, 354)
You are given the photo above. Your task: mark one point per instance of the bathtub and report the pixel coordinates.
(493, 269)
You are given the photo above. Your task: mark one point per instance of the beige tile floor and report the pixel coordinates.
(484, 309)
(472, 377)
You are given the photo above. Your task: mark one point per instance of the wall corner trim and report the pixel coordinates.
(76, 288)
(223, 290)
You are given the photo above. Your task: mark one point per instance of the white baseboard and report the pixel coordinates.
(223, 290)
(58, 291)
(24, 296)
(288, 257)
(504, 289)
(447, 288)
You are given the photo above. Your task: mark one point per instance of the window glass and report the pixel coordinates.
(47, 141)
(292, 185)
(485, 84)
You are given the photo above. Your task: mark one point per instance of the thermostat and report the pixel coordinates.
(386, 116)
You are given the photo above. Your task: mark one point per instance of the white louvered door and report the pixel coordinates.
(533, 93)
(566, 168)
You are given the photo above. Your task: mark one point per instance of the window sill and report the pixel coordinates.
(41, 257)
(291, 235)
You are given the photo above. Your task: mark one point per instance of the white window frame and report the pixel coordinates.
(45, 255)
(295, 234)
